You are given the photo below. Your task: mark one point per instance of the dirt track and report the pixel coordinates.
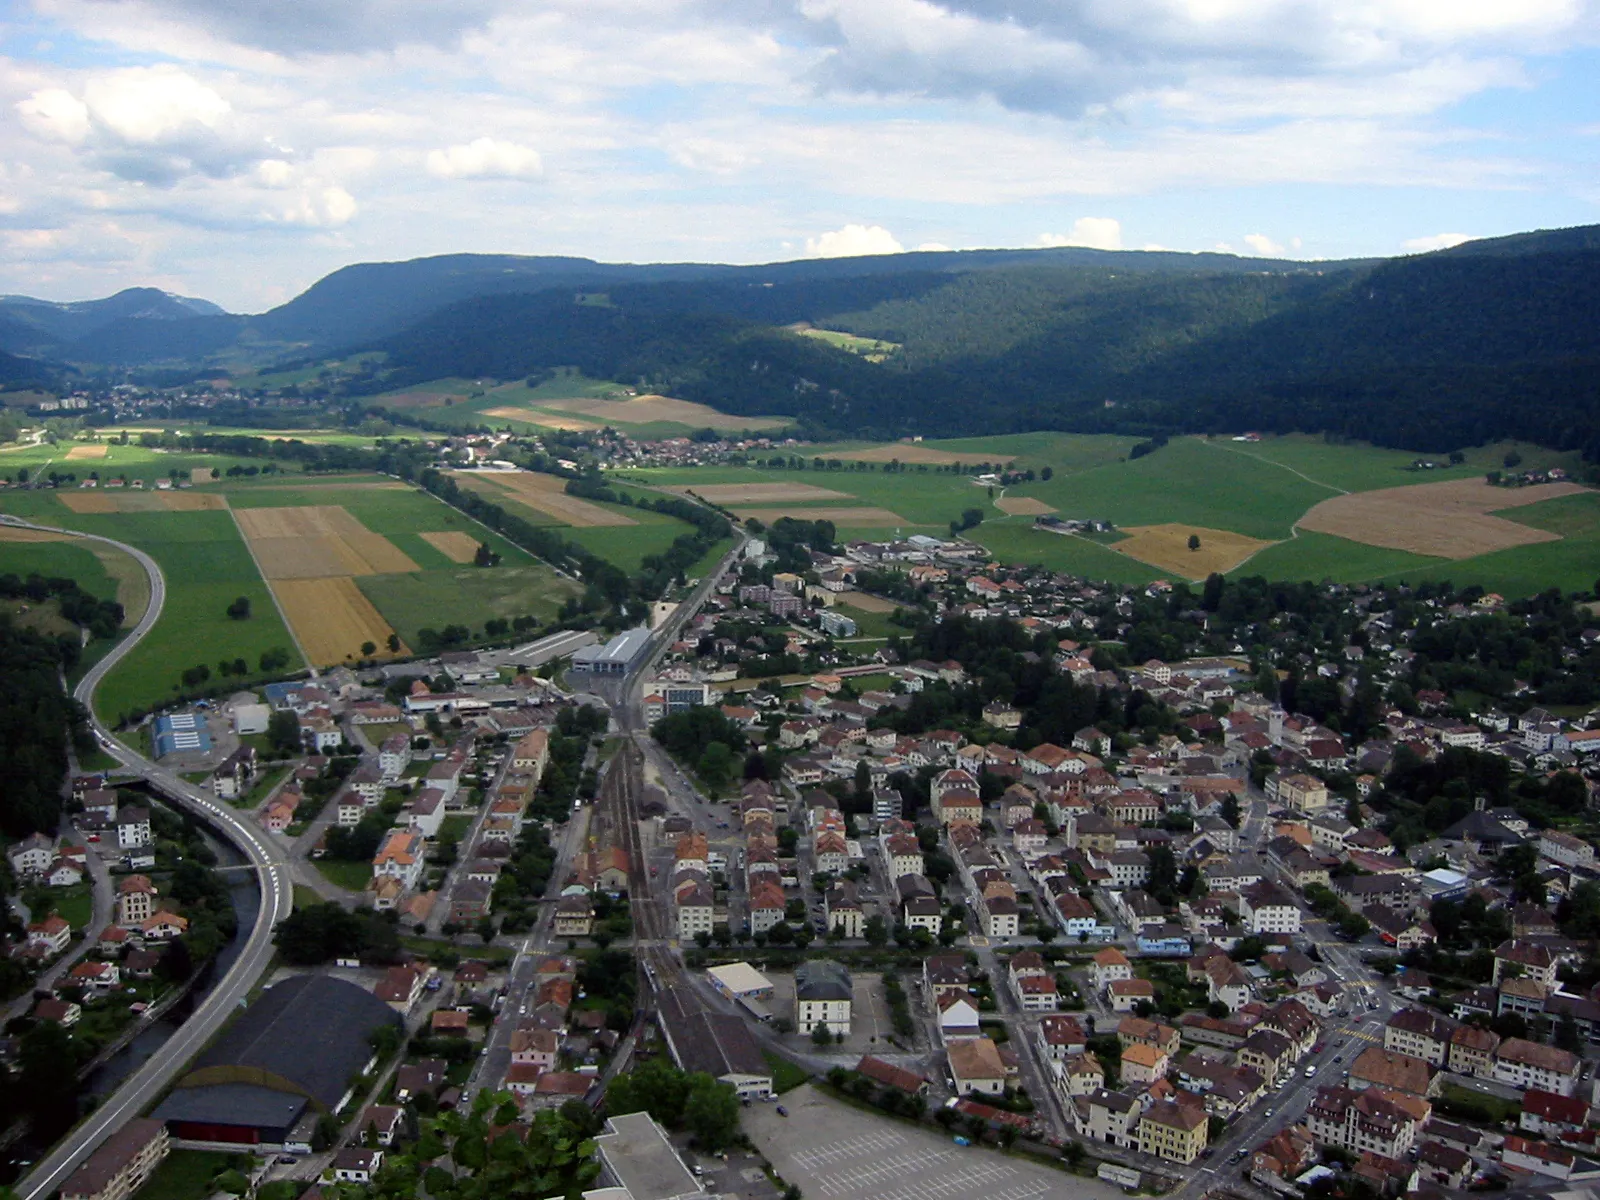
(1443, 520)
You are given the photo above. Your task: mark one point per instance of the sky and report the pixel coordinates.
(239, 150)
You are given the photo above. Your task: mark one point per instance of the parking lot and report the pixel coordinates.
(836, 1152)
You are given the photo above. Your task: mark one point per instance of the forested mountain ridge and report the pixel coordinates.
(1487, 340)
(1427, 353)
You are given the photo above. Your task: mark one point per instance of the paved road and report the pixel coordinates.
(277, 898)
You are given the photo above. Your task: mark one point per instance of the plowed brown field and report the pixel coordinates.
(546, 494)
(151, 501)
(454, 545)
(1167, 547)
(1445, 520)
(317, 541)
(331, 618)
(87, 452)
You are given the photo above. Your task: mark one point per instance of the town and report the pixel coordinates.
(1260, 914)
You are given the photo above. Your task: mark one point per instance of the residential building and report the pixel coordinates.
(1530, 1065)
(976, 1066)
(1359, 1121)
(1472, 1051)
(1175, 1132)
(1421, 1034)
(1376, 1067)
(1266, 908)
(122, 1165)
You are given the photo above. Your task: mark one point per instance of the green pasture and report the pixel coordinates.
(465, 595)
(1321, 556)
(627, 546)
(871, 349)
(57, 560)
(1572, 564)
(1017, 540)
(1185, 481)
(1358, 467)
(206, 566)
(131, 461)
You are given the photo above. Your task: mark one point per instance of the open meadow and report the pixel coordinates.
(1288, 507)
(567, 401)
(346, 560)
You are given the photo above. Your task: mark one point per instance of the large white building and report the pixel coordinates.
(822, 996)
(1267, 908)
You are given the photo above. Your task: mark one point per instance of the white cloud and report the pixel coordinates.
(317, 208)
(485, 158)
(1097, 233)
(143, 105)
(1264, 246)
(55, 114)
(933, 248)
(1436, 241)
(274, 173)
(852, 241)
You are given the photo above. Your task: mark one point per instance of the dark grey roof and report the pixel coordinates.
(821, 979)
(717, 1043)
(307, 1035)
(1480, 827)
(232, 1104)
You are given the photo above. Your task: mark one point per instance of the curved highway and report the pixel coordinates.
(277, 899)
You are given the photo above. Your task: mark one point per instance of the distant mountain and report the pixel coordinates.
(1493, 338)
(49, 328)
(1427, 352)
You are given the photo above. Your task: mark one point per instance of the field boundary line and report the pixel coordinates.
(1274, 463)
(276, 603)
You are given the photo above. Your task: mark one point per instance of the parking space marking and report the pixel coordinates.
(854, 1148)
(857, 1178)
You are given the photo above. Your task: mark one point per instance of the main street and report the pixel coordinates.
(277, 899)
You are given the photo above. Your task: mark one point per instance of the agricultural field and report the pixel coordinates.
(104, 457)
(567, 401)
(870, 349)
(344, 557)
(1284, 507)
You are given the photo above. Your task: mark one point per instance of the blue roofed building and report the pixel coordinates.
(180, 733)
